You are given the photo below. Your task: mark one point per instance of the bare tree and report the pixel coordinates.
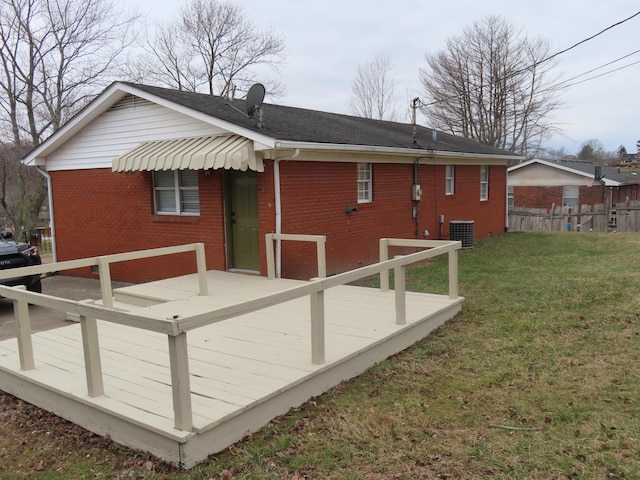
(374, 90)
(492, 84)
(54, 57)
(592, 150)
(212, 47)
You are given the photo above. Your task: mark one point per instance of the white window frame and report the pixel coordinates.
(178, 188)
(450, 179)
(510, 196)
(570, 193)
(365, 182)
(484, 182)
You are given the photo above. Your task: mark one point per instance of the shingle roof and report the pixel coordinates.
(588, 167)
(292, 124)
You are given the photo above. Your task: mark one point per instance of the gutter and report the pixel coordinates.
(408, 152)
(278, 207)
(51, 216)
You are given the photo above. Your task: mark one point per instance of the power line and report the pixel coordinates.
(585, 40)
(561, 84)
(601, 75)
(535, 64)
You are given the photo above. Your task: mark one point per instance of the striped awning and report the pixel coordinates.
(230, 152)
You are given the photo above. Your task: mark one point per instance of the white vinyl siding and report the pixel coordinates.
(450, 180)
(176, 192)
(121, 128)
(484, 182)
(365, 183)
(570, 196)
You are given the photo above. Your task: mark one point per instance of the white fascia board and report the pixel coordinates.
(112, 95)
(607, 181)
(372, 149)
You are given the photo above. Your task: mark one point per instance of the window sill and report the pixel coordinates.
(190, 219)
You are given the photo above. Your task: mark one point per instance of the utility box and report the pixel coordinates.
(462, 231)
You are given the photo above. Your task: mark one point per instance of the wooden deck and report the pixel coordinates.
(242, 372)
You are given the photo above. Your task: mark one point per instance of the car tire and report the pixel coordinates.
(35, 286)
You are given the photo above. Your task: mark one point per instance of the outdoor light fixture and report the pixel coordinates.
(351, 209)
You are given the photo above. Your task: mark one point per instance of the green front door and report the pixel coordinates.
(242, 211)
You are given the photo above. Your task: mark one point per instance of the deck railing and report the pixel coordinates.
(176, 328)
(320, 250)
(385, 243)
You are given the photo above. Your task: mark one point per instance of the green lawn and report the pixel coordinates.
(537, 378)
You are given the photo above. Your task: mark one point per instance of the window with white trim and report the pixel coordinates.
(510, 197)
(484, 182)
(450, 180)
(570, 196)
(365, 182)
(176, 192)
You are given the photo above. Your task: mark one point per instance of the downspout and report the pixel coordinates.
(278, 202)
(51, 217)
(506, 203)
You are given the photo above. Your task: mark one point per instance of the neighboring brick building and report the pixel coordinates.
(145, 167)
(543, 183)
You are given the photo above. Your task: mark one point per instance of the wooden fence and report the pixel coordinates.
(624, 217)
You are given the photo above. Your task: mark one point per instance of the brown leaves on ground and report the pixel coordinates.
(36, 440)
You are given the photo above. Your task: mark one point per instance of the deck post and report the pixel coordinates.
(453, 274)
(399, 277)
(201, 261)
(23, 325)
(317, 328)
(271, 268)
(180, 382)
(322, 259)
(92, 362)
(384, 256)
(105, 282)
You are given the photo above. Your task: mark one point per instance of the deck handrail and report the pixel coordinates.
(177, 326)
(104, 262)
(385, 243)
(320, 241)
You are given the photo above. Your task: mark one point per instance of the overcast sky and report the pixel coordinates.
(326, 41)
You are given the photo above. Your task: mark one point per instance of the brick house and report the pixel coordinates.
(542, 183)
(144, 167)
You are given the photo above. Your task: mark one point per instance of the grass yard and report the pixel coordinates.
(537, 378)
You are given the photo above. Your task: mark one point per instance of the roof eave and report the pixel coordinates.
(373, 149)
(108, 98)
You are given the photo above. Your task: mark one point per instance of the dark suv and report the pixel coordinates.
(15, 255)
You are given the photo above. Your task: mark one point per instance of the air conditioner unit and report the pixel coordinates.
(462, 231)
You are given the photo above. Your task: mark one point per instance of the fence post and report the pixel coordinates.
(180, 382)
(92, 363)
(105, 282)
(201, 261)
(317, 328)
(322, 260)
(23, 326)
(453, 274)
(271, 268)
(399, 279)
(384, 256)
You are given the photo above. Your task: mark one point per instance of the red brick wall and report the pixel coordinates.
(316, 195)
(544, 197)
(99, 212)
(465, 203)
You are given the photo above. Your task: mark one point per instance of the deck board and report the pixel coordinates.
(243, 371)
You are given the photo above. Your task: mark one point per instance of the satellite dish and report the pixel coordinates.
(255, 97)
